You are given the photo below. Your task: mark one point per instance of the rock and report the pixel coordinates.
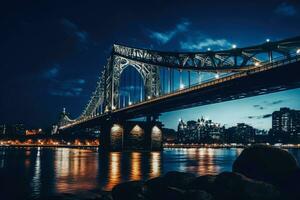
(235, 186)
(158, 189)
(205, 183)
(154, 188)
(197, 195)
(265, 163)
(172, 193)
(129, 190)
(291, 187)
(179, 179)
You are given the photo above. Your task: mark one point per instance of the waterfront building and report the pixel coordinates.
(2, 129)
(14, 129)
(241, 133)
(200, 131)
(285, 125)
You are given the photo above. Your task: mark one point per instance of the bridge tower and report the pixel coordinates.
(112, 73)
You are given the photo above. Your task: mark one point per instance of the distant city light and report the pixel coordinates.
(217, 76)
(208, 49)
(234, 46)
(181, 86)
(298, 51)
(130, 103)
(149, 97)
(267, 40)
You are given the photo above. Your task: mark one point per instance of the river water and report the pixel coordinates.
(29, 173)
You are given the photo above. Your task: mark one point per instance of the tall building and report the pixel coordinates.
(15, 129)
(200, 131)
(2, 129)
(241, 133)
(285, 125)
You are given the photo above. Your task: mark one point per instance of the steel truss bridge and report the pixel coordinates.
(237, 73)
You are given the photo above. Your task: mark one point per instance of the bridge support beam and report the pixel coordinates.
(131, 135)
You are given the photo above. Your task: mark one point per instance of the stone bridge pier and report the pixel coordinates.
(131, 135)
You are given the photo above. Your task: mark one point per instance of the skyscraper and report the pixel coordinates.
(286, 124)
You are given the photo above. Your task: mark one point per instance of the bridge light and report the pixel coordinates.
(113, 107)
(267, 40)
(217, 76)
(298, 51)
(181, 86)
(256, 64)
(234, 46)
(149, 97)
(130, 103)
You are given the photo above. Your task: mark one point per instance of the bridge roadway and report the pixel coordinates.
(271, 77)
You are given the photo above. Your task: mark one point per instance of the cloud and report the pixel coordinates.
(199, 43)
(66, 88)
(74, 31)
(258, 106)
(267, 116)
(276, 102)
(165, 37)
(285, 9)
(260, 116)
(52, 72)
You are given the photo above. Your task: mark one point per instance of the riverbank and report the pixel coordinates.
(233, 145)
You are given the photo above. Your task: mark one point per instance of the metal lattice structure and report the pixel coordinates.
(148, 63)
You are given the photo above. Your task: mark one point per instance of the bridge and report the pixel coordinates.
(167, 81)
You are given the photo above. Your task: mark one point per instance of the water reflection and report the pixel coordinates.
(42, 172)
(114, 172)
(75, 169)
(155, 164)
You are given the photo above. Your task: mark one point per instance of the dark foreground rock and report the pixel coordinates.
(130, 190)
(265, 163)
(234, 186)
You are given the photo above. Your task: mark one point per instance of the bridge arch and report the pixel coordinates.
(149, 74)
(131, 86)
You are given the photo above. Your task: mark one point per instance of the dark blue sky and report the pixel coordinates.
(53, 51)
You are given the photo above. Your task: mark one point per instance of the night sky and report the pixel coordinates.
(52, 52)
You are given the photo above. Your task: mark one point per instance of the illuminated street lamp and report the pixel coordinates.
(217, 76)
(149, 97)
(298, 51)
(130, 103)
(181, 86)
(267, 40)
(234, 46)
(208, 49)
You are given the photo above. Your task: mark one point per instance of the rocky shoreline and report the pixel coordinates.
(259, 173)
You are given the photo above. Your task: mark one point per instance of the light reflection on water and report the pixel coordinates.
(42, 172)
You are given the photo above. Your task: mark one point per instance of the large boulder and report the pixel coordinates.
(234, 186)
(179, 179)
(128, 190)
(205, 183)
(154, 188)
(291, 186)
(265, 163)
(197, 195)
